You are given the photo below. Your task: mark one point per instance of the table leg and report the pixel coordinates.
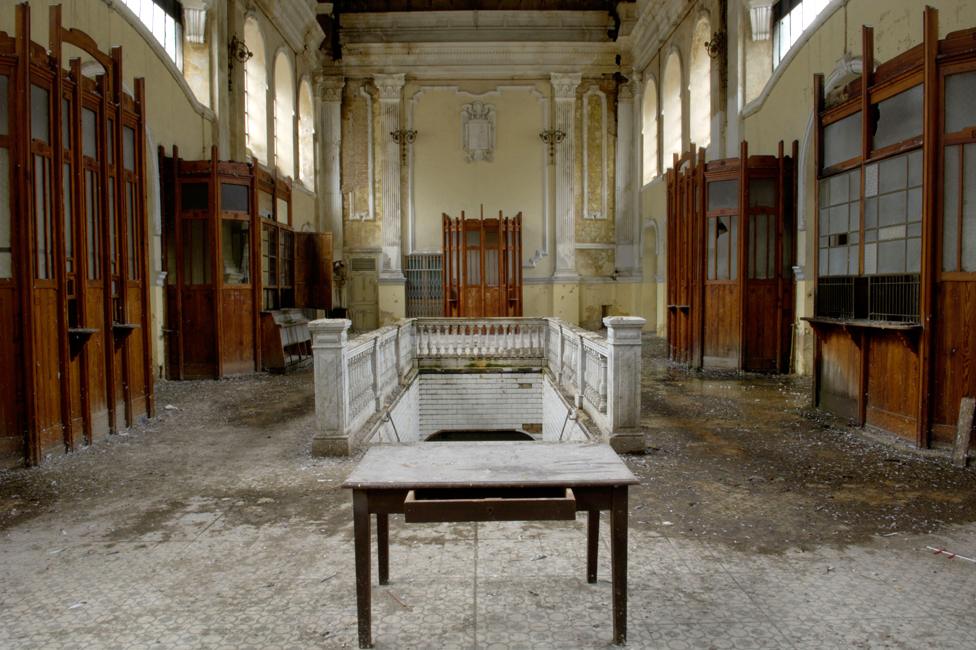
(360, 518)
(618, 560)
(592, 543)
(383, 546)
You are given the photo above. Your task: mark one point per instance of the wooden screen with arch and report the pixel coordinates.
(731, 248)
(75, 358)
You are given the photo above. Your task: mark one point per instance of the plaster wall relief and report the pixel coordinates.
(595, 262)
(478, 131)
(358, 185)
(389, 90)
(566, 111)
(594, 168)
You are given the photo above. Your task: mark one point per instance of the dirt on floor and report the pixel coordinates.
(740, 460)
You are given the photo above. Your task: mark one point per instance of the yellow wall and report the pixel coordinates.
(512, 182)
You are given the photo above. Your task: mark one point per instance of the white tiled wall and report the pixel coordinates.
(479, 401)
(558, 421)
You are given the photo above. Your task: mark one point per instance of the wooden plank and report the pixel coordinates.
(485, 464)
(592, 544)
(468, 506)
(964, 431)
(618, 563)
(360, 515)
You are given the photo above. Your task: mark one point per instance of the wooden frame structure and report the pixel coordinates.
(893, 321)
(730, 279)
(74, 290)
(482, 267)
(231, 256)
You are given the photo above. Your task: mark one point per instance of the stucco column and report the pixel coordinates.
(623, 382)
(390, 90)
(329, 90)
(627, 256)
(564, 96)
(331, 386)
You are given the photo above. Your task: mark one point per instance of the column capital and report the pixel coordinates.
(625, 91)
(329, 87)
(564, 84)
(390, 86)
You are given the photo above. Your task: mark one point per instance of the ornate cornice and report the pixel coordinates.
(390, 86)
(296, 21)
(564, 84)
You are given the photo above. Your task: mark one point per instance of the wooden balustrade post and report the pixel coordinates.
(329, 336)
(623, 382)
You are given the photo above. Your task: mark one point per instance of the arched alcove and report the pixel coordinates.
(255, 92)
(649, 131)
(671, 108)
(700, 87)
(284, 115)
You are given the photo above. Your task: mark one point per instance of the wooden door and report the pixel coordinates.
(313, 270)
(363, 293)
(482, 275)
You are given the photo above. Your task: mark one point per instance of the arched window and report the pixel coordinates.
(700, 87)
(671, 109)
(284, 116)
(255, 93)
(649, 131)
(306, 135)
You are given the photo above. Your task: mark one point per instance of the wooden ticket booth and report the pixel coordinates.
(237, 274)
(482, 267)
(731, 248)
(895, 234)
(76, 359)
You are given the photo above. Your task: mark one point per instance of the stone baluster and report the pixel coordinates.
(623, 382)
(376, 367)
(329, 337)
(580, 369)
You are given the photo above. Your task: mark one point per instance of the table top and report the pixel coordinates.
(489, 464)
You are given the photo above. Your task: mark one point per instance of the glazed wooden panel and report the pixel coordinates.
(237, 337)
(75, 400)
(761, 326)
(11, 430)
(199, 353)
(892, 383)
(954, 374)
(47, 370)
(172, 334)
(839, 373)
(721, 339)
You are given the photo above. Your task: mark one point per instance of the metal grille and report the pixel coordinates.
(425, 292)
(874, 297)
(835, 297)
(893, 297)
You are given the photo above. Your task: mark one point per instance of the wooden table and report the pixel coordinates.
(490, 481)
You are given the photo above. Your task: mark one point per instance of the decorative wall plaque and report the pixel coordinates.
(478, 131)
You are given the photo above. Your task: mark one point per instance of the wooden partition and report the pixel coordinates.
(896, 238)
(231, 254)
(482, 266)
(731, 248)
(75, 357)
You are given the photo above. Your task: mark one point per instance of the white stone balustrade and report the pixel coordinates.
(356, 380)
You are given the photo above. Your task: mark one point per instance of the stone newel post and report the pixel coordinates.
(624, 379)
(329, 337)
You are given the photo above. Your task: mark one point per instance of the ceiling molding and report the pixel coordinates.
(474, 60)
(296, 21)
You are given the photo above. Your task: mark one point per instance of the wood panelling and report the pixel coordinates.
(839, 375)
(137, 383)
(11, 430)
(892, 384)
(94, 349)
(954, 375)
(482, 273)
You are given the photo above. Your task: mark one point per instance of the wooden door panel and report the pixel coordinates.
(237, 337)
(839, 373)
(761, 326)
(199, 356)
(47, 370)
(11, 430)
(95, 351)
(136, 353)
(721, 325)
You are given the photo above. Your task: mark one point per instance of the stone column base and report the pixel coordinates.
(627, 443)
(331, 446)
